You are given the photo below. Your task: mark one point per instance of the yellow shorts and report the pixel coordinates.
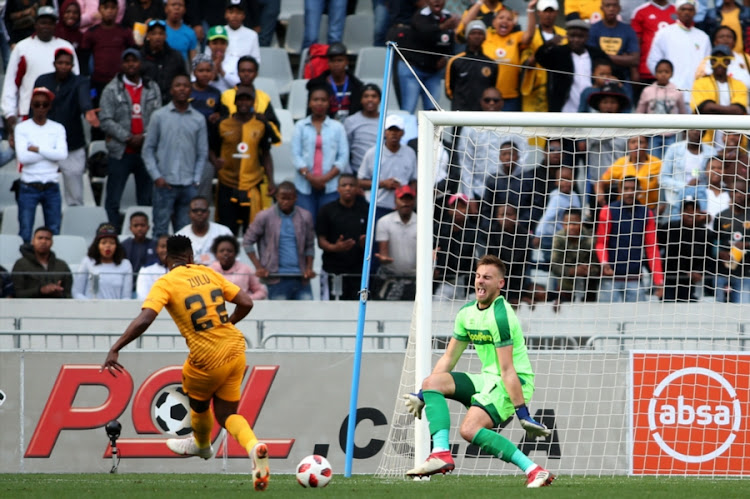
(224, 382)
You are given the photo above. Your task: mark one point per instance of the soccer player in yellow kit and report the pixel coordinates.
(195, 296)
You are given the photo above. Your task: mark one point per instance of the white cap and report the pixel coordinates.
(680, 3)
(395, 120)
(543, 5)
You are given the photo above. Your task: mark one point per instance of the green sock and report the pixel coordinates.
(497, 445)
(436, 409)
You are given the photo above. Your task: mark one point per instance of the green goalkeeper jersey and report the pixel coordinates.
(494, 327)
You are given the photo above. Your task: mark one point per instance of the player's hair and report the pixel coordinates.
(179, 246)
(669, 63)
(139, 214)
(248, 58)
(118, 256)
(43, 228)
(225, 239)
(286, 185)
(493, 260)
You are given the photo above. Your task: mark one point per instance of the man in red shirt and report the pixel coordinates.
(647, 19)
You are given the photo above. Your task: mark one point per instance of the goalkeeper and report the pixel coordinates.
(504, 386)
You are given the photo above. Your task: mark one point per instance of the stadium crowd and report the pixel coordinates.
(169, 86)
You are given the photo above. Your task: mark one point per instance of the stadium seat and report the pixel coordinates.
(358, 32)
(302, 61)
(371, 64)
(269, 86)
(283, 166)
(295, 32)
(72, 249)
(287, 124)
(9, 250)
(297, 103)
(290, 8)
(88, 192)
(277, 67)
(82, 221)
(7, 177)
(10, 219)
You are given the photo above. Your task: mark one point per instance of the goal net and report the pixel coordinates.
(625, 265)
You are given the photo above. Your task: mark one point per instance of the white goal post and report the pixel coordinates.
(608, 418)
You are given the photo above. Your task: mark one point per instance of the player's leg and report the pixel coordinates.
(226, 400)
(199, 386)
(491, 407)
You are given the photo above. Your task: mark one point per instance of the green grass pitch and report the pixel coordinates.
(142, 486)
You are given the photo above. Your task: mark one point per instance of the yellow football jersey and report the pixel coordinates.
(195, 297)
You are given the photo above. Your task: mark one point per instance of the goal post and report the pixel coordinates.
(591, 359)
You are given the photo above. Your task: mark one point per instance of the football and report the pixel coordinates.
(172, 412)
(314, 472)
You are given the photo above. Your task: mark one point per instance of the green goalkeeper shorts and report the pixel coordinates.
(488, 392)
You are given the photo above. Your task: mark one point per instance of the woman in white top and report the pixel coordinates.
(105, 273)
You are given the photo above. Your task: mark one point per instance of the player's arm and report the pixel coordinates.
(244, 304)
(513, 388)
(136, 328)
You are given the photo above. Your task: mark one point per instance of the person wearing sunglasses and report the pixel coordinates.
(719, 93)
(40, 146)
(202, 231)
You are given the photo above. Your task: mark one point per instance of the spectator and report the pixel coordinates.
(534, 82)
(40, 146)
(313, 14)
(470, 72)
(662, 97)
(573, 260)
(241, 172)
(320, 152)
(20, 16)
(585, 10)
(560, 201)
(647, 19)
(732, 14)
(506, 185)
(285, 239)
(202, 232)
(733, 154)
(106, 41)
(174, 152)
(142, 11)
(161, 63)
(126, 107)
(140, 250)
(346, 89)
(716, 197)
(684, 164)
(618, 41)
(247, 70)
(267, 19)
(91, 15)
(432, 31)
(242, 40)
(39, 273)
(738, 68)
(341, 227)
(6, 284)
(362, 126)
(732, 247)
(636, 163)
(683, 45)
(504, 46)
(104, 273)
(149, 274)
(565, 86)
(29, 59)
(396, 235)
(625, 236)
(69, 24)
(225, 65)
(484, 12)
(225, 250)
(398, 167)
(685, 249)
(719, 93)
(540, 180)
(206, 99)
(72, 100)
(455, 241)
(179, 35)
(602, 74)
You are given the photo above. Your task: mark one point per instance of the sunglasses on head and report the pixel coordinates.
(491, 99)
(723, 61)
(157, 22)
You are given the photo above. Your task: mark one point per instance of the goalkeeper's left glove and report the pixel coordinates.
(414, 403)
(533, 428)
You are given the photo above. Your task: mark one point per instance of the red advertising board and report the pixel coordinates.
(687, 413)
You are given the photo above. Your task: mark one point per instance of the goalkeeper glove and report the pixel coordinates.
(414, 403)
(533, 428)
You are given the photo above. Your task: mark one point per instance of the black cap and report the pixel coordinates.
(609, 90)
(240, 4)
(335, 49)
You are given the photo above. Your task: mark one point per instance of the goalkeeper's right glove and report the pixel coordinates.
(414, 403)
(533, 427)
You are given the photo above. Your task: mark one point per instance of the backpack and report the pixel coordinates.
(317, 62)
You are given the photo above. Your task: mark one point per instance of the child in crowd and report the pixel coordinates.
(150, 274)
(105, 273)
(139, 249)
(226, 249)
(662, 97)
(602, 74)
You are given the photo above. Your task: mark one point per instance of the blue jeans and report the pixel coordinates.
(172, 203)
(380, 11)
(659, 144)
(269, 16)
(118, 171)
(410, 88)
(290, 288)
(617, 291)
(313, 202)
(336, 20)
(739, 289)
(28, 198)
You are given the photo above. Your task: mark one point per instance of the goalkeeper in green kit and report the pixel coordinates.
(503, 388)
